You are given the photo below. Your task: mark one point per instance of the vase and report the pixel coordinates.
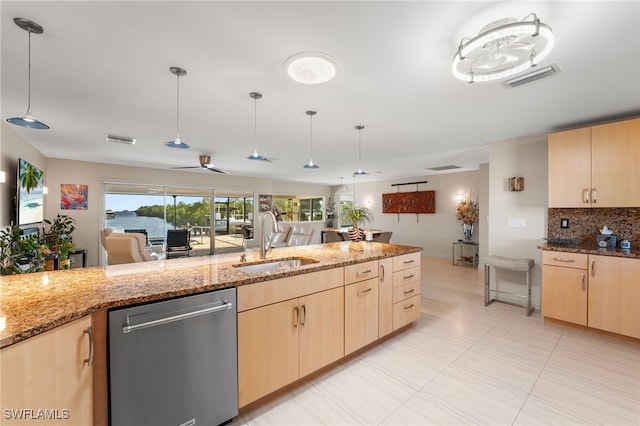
(467, 229)
(355, 234)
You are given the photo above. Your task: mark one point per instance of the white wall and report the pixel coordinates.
(526, 158)
(433, 232)
(12, 147)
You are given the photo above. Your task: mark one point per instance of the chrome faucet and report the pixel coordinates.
(265, 246)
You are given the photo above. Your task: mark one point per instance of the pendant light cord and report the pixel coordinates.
(178, 107)
(255, 124)
(311, 137)
(29, 76)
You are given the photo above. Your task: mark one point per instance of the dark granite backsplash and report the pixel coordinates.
(585, 224)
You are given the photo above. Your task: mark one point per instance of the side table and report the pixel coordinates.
(462, 251)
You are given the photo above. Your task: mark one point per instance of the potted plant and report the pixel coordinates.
(59, 239)
(357, 216)
(20, 254)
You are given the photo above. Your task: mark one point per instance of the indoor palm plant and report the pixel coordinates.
(357, 216)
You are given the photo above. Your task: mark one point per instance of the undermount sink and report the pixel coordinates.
(274, 265)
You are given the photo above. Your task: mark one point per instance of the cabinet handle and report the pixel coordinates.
(296, 317)
(368, 271)
(560, 259)
(365, 291)
(89, 361)
(408, 261)
(409, 307)
(585, 196)
(593, 267)
(584, 287)
(409, 276)
(594, 195)
(409, 291)
(304, 315)
(382, 272)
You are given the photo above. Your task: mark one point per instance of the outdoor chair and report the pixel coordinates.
(178, 242)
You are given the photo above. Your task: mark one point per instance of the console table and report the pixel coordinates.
(466, 252)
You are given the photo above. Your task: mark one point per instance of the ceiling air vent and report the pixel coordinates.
(443, 168)
(120, 139)
(533, 75)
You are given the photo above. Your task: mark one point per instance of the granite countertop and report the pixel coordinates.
(34, 303)
(633, 252)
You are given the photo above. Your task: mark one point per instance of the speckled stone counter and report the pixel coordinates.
(634, 252)
(34, 303)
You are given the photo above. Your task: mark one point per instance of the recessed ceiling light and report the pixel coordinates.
(311, 67)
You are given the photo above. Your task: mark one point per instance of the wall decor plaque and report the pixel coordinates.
(409, 202)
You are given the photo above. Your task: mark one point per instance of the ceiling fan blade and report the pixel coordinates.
(269, 160)
(216, 170)
(187, 167)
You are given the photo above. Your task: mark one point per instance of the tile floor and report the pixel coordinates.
(463, 363)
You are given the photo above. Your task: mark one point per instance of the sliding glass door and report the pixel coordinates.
(154, 210)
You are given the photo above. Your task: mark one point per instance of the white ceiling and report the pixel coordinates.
(103, 67)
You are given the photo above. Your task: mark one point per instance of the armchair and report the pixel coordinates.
(128, 247)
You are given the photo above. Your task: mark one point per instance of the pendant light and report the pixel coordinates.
(177, 142)
(255, 156)
(311, 164)
(359, 172)
(28, 120)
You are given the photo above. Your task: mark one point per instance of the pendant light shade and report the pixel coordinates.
(311, 164)
(255, 156)
(28, 120)
(359, 172)
(177, 142)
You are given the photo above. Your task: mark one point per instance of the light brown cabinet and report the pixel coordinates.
(614, 294)
(406, 289)
(47, 379)
(595, 166)
(601, 292)
(385, 296)
(564, 290)
(279, 340)
(360, 305)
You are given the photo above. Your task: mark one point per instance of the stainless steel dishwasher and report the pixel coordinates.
(174, 362)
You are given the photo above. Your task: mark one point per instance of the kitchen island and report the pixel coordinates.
(374, 287)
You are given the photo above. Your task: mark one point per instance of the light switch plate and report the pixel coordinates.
(564, 223)
(517, 222)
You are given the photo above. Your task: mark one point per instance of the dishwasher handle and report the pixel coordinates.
(129, 328)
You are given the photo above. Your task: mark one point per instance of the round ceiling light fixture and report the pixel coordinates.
(311, 67)
(502, 49)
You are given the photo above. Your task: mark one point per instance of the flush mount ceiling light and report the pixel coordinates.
(311, 164)
(177, 142)
(502, 49)
(255, 156)
(28, 120)
(311, 67)
(359, 172)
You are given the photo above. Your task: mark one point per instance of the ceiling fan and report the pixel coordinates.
(205, 163)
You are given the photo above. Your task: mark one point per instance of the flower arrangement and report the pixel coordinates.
(467, 212)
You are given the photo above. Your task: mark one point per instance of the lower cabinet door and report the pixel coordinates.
(48, 374)
(385, 297)
(614, 294)
(406, 312)
(564, 294)
(321, 327)
(267, 349)
(360, 314)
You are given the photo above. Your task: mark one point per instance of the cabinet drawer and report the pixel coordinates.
(406, 261)
(406, 291)
(406, 276)
(406, 312)
(360, 272)
(568, 260)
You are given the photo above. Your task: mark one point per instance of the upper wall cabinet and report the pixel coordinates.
(595, 166)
